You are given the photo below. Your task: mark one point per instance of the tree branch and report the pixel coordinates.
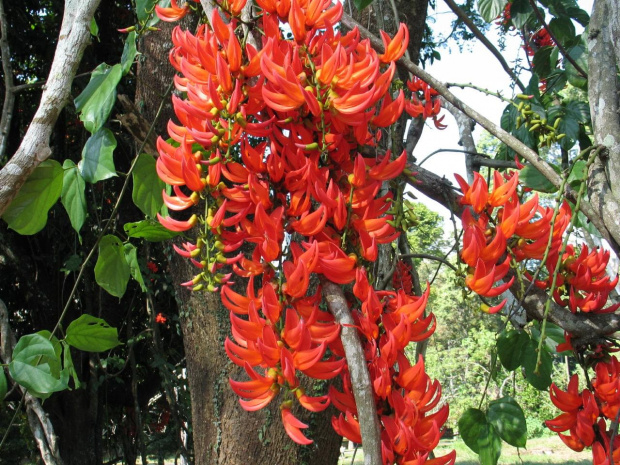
(9, 89)
(358, 369)
(612, 235)
(74, 36)
(482, 38)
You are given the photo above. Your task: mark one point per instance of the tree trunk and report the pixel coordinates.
(224, 433)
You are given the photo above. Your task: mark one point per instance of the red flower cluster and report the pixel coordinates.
(402, 279)
(582, 283)
(269, 140)
(539, 39)
(587, 414)
(499, 222)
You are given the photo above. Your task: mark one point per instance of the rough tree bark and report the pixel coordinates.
(223, 433)
(603, 93)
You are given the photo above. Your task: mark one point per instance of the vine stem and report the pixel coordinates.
(558, 264)
(114, 212)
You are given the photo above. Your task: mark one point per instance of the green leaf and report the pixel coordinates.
(471, 425)
(129, 53)
(73, 197)
(36, 366)
(147, 186)
(520, 13)
(131, 254)
(579, 55)
(72, 264)
(150, 230)
(508, 419)
(94, 28)
(96, 101)
(534, 179)
(578, 173)
(491, 9)
(3, 384)
(563, 29)
(489, 445)
(97, 161)
(38, 379)
(91, 334)
(143, 7)
(27, 213)
(510, 346)
(112, 270)
(542, 61)
(68, 364)
(361, 4)
(541, 379)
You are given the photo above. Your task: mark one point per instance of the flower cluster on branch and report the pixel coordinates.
(269, 142)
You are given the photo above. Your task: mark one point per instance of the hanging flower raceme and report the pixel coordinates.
(268, 142)
(498, 227)
(587, 415)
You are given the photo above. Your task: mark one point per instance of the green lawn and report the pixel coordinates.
(539, 451)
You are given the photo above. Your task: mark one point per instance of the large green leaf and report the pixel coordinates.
(539, 378)
(112, 270)
(150, 230)
(27, 213)
(147, 186)
(129, 52)
(131, 254)
(73, 197)
(542, 62)
(491, 9)
(471, 424)
(97, 161)
(489, 445)
(36, 366)
(563, 29)
(580, 56)
(506, 416)
(91, 334)
(510, 346)
(95, 102)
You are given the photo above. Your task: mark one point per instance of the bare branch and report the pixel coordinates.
(360, 379)
(74, 36)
